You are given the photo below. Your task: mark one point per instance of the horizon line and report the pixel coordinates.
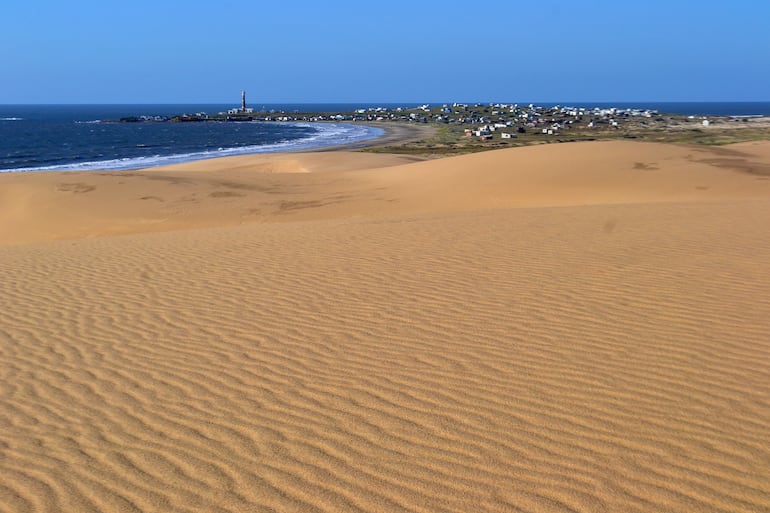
(486, 102)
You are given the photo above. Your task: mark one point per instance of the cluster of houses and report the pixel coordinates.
(507, 120)
(487, 131)
(510, 120)
(484, 121)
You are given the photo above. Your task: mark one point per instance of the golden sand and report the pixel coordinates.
(577, 327)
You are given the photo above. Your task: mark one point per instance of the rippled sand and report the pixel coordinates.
(581, 327)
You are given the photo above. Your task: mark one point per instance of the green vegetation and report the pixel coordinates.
(451, 139)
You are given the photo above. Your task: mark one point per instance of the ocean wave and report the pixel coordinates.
(11, 119)
(327, 134)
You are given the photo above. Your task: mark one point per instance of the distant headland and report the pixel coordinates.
(470, 127)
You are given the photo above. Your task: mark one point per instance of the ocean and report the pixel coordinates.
(74, 137)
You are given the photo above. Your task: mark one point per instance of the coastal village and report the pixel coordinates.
(464, 127)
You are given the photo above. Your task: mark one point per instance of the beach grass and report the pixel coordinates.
(450, 139)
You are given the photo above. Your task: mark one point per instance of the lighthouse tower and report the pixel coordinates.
(243, 101)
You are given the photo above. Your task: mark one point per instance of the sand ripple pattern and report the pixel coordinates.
(587, 359)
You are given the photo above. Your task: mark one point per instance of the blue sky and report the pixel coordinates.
(168, 51)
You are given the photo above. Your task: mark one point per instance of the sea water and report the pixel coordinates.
(80, 137)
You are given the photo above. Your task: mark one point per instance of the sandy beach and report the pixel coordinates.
(577, 327)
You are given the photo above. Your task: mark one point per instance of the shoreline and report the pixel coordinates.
(392, 134)
(430, 133)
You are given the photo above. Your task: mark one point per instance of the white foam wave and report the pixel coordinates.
(11, 119)
(327, 134)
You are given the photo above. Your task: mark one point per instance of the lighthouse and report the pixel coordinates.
(243, 109)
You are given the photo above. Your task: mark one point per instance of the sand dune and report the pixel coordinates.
(483, 333)
(339, 185)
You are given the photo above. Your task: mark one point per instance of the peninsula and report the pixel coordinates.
(467, 128)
